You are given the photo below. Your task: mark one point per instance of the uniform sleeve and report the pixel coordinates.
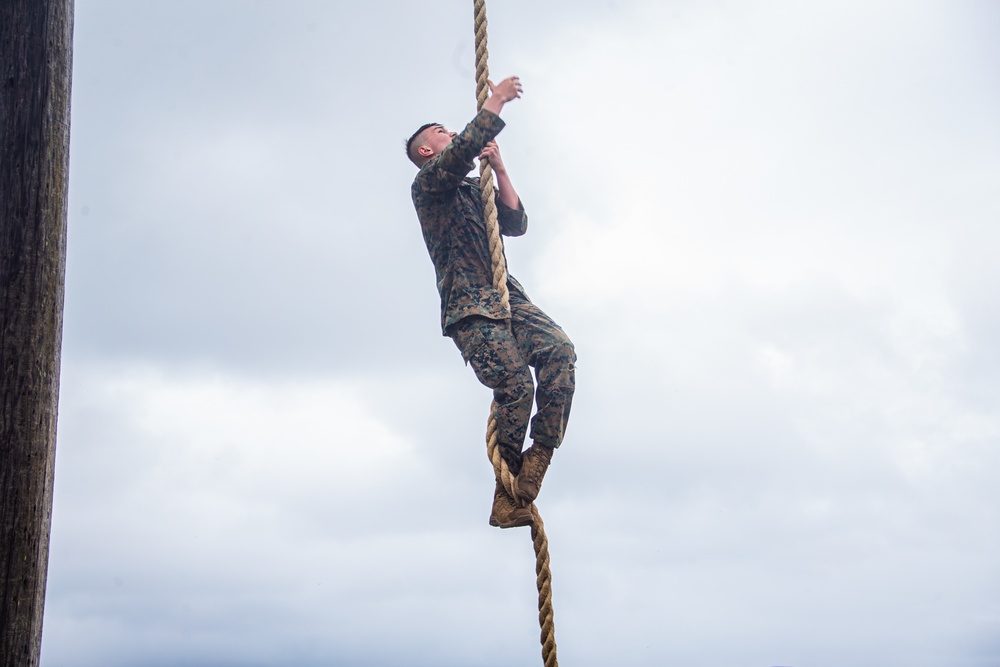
(447, 169)
(513, 222)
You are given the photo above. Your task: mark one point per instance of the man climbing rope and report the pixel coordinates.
(499, 343)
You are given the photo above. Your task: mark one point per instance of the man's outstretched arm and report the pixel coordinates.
(455, 161)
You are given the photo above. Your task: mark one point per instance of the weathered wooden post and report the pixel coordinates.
(35, 74)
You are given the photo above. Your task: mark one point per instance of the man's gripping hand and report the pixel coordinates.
(503, 92)
(491, 153)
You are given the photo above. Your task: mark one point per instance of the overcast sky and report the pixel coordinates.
(770, 228)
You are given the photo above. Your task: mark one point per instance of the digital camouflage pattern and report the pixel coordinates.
(450, 208)
(500, 353)
(499, 343)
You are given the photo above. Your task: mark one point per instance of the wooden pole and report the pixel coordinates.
(35, 75)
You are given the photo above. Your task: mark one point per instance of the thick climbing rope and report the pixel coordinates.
(543, 574)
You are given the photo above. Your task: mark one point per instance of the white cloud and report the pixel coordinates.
(767, 228)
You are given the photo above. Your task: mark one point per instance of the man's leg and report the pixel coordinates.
(549, 350)
(490, 348)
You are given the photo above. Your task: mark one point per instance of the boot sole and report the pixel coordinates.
(516, 523)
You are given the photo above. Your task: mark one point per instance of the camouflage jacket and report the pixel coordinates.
(450, 209)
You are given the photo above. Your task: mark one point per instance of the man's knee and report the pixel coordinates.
(564, 351)
(558, 363)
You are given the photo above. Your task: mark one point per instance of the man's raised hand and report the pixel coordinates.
(509, 89)
(503, 92)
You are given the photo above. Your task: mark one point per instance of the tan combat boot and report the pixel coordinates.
(506, 513)
(533, 466)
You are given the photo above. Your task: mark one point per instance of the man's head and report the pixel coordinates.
(427, 142)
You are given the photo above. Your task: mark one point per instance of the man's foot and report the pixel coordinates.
(533, 466)
(506, 513)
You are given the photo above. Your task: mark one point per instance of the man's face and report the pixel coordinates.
(436, 138)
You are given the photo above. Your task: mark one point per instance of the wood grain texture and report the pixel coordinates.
(35, 83)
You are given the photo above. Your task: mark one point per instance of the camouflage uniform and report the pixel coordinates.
(499, 343)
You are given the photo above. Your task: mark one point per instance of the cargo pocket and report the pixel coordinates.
(468, 339)
(490, 350)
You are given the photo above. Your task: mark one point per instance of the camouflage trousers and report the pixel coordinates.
(501, 352)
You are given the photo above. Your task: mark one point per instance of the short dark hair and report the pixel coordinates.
(413, 137)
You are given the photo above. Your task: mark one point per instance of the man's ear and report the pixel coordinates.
(425, 151)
